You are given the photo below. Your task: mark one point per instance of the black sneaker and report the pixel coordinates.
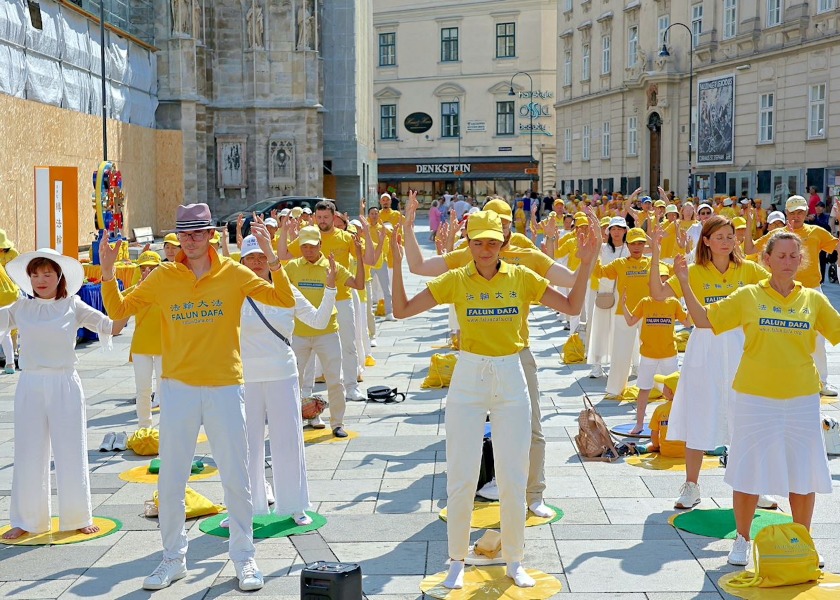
(339, 432)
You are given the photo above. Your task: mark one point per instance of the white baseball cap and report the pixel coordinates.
(617, 222)
(727, 201)
(285, 212)
(269, 222)
(775, 216)
(249, 246)
(704, 205)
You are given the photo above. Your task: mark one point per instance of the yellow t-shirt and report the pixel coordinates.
(569, 248)
(630, 274)
(490, 312)
(146, 338)
(8, 255)
(657, 331)
(341, 244)
(813, 239)
(669, 246)
(388, 215)
(728, 212)
(780, 337)
(200, 317)
(385, 256)
(311, 279)
(659, 422)
(710, 285)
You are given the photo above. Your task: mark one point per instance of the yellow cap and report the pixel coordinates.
(636, 235)
(796, 203)
(669, 381)
(581, 220)
(297, 211)
(148, 259)
(739, 223)
(172, 238)
(501, 208)
(217, 237)
(5, 242)
(309, 235)
(664, 269)
(485, 224)
(605, 221)
(659, 204)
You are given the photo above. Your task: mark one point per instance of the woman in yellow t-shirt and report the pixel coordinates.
(491, 298)
(777, 440)
(699, 415)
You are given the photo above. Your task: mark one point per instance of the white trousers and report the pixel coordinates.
(820, 359)
(221, 410)
(480, 384)
(370, 308)
(589, 307)
(144, 364)
(50, 412)
(328, 349)
(625, 353)
(362, 336)
(536, 454)
(8, 348)
(349, 353)
(383, 276)
(280, 402)
(600, 332)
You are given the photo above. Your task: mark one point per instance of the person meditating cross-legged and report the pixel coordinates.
(491, 297)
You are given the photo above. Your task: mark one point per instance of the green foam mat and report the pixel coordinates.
(265, 526)
(720, 522)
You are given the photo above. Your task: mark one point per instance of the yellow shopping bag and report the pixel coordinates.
(440, 371)
(681, 337)
(573, 350)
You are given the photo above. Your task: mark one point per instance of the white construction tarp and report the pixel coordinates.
(77, 89)
(76, 49)
(12, 42)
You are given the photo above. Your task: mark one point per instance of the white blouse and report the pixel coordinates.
(607, 256)
(265, 357)
(48, 330)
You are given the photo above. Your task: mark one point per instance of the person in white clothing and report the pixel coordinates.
(49, 399)
(272, 390)
(704, 211)
(146, 349)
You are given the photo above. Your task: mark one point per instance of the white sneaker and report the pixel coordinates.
(120, 442)
(596, 372)
(225, 523)
(373, 342)
(689, 496)
(249, 575)
(490, 490)
(355, 395)
(155, 403)
(390, 317)
(107, 444)
(167, 571)
(767, 502)
(269, 493)
(317, 423)
(740, 553)
(828, 390)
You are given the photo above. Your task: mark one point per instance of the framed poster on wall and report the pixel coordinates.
(231, 162)
(716, 120)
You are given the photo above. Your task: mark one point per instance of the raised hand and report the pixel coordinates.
(396, 250)
(331, 271)
(260, 231)
(357, 244)
(681, 268)
(655, 236)
(108, 255)
(636, 192)
(273, 213)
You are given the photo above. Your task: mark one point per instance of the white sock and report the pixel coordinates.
(455, 578)
(541, 510)
(517, 572)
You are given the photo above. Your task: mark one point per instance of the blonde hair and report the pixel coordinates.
(703, 255)
(784, 234)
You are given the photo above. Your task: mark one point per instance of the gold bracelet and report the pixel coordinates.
(274, 263)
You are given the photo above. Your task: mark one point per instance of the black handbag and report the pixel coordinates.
(384, 394)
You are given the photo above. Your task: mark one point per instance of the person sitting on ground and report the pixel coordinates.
(659, 441)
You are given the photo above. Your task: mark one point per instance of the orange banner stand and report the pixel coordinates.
(57, 209)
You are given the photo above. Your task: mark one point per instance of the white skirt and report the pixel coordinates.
(599, 349)
(777, 446)
(699, 416)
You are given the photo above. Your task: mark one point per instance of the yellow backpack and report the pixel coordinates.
(782, 555)
(440, 371)
(144, 442)
(573, 350)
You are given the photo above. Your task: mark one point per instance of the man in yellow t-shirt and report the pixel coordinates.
(388, 214)
(146, 348)
(381, 220)
(200, 296)
(309, 275)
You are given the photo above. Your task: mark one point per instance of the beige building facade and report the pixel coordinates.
(764, 98)
(442, 80)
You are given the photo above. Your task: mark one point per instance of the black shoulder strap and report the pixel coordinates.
(267, 324)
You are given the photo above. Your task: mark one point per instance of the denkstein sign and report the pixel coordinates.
(445, 169)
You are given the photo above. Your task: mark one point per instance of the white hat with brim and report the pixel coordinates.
(618, 222)
(775, 216)
(706, 206)
(249, 246)
(71, 270)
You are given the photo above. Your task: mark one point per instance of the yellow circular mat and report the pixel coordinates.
(654, 462)
(488, 515)
(325, 436)
(826, 587)
(491, 583)
(202, 437)
(54, 537)
(141, 474)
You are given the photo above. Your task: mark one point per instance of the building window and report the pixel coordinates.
(450, 119)
(504, 118)
(449, 44)
(662, 26)
(586, 139)
(567, 145)
(766, 105)
(730, 18)
(585, 66)
(696, 24)
(605, 140)
(774, 12)
(825, 5)
(632, 46)
(567, 68)
(567, 6)
(632, 136)
(606, 54)
(388, 121)
(505, 40)
(387, 49)
(816, 111)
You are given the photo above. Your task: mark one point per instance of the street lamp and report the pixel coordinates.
(664, 54)
(531, 126)
(457, 100)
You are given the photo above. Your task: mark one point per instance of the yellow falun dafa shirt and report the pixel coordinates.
(521, 241)
(490, 312)
(569, 248)
(389, 215)
(710, 285)
(631, 275)
(658, 318)
(813, 239)
(780, 337)
(146, 338)
(342, 246)
(311, 280)
(199, 317)
(669, 246)
(659, 422)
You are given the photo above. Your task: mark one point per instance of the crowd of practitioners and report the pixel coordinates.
(296, 300)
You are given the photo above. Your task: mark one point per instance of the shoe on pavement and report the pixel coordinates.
(360, 378)
(355, 395)
(249, 575)
(9, 370)
(821, 563)
(596, 372)
(689, 495)
(490, 490)
(320, 379)
(120, 442)
(767, 502)
(225, 523)
(740, 553)
(566, 326)
(828, 390)
(373, 342)
(301, 519)
(339, 432)
(269, 493)
(317, 423)
(390, 317)
(155, 402)
(107, 444)
(168, 570)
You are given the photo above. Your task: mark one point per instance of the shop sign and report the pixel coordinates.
(476, 126)
(505, 148)
(543, 94)
(538, 129)
(418, 122)
(534, 110)
(444, 169)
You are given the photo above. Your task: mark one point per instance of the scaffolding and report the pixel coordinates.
(135, 17)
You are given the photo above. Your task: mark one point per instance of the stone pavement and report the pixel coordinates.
(381, 493)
